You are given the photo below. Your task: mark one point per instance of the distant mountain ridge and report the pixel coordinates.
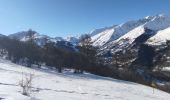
(123, 36)
(116, 37)
(67, 44)
(23, 36)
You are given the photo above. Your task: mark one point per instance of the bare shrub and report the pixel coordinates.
(26, 84)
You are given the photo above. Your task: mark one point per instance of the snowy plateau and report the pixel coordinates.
(50, 85)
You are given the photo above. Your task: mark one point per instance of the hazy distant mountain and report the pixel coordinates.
(41, 39)
(73, 40)
(1, 35)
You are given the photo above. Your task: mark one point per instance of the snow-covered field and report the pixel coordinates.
(50, 85)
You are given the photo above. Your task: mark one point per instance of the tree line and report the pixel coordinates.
(28, 53)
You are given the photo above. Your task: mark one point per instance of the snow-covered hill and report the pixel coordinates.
(50, 85)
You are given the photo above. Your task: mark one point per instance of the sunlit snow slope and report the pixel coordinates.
(132, 30)
(50, 85)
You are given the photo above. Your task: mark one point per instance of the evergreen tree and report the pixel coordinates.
(87, 52)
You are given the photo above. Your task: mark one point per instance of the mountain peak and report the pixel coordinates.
(158, 16)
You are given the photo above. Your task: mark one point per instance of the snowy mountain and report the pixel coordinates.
(113, 35)
(117, 37)
(152, 30)
(39, 39)
(1, 35)
(131, 30)
(19, 36)
(49, 85)
(73, 40)
(67, 44)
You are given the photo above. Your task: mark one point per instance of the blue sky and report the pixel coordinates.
(73, 17)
